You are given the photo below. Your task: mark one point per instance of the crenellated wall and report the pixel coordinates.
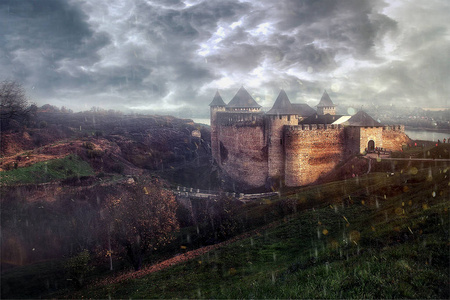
(394, 137)
(310, 151)
(242, 149)
(226, 118)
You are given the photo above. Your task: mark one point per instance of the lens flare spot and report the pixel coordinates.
(399, 211)
(413, 171)
(351, 111)
(355, 236)
(335, 87)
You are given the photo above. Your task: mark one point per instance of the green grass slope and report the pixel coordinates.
(56, 169)
(377, 236)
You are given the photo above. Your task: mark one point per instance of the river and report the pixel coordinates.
(426, 135)
(201, 121)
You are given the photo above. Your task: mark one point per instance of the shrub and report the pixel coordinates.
(94, 153)
(77, 267)
(118, 168)
(89, 145)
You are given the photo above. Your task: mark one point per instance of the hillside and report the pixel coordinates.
(378, 235)
(110, 143)
(368, 224)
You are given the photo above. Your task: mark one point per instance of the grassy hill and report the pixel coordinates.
(55, 169)
(376, 236)
(380, 235)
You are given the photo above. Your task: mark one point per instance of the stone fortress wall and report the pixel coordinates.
(311, 151)
(242, 149)
(394, 137)
(255, 148)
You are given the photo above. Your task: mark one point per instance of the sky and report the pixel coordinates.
(173, 55)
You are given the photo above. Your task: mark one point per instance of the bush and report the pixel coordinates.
(77, 267)
(118, 168)
(89, 145)
(94, 153)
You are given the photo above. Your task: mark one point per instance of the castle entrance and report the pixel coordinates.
(371, 146)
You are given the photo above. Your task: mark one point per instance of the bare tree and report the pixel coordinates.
(142, 218)
(13, 104)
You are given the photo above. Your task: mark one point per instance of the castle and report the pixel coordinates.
(291, 142)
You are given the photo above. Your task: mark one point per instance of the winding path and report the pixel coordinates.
(180, 258)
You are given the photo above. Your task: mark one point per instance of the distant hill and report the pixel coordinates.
(110, 143)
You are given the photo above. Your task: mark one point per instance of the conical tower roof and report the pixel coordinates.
(243, 99)
(361, 118)
(282, 105)
(217, 100)
(325, 100)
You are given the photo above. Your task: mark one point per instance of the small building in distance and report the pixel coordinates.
(291, 142)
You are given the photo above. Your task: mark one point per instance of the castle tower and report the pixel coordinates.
(215, 106)
(363, 133)
(243, 102)
(281, 114)
(326, 106)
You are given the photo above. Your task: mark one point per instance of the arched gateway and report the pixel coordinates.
(371, 146)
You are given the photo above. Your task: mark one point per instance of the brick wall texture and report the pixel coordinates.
(311, 153)
(394, 137)
(244, 153)
(252, 148)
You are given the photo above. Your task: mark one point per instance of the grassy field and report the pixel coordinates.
(381, 235)
(378, 236)
(56, 169)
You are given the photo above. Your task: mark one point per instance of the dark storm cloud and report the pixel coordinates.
(38, 35)
(172, 53)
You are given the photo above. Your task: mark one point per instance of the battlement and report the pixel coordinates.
(240, 119)
(400, 128)
(308, 127)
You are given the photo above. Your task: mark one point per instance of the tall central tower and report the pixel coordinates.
(281, 114)
(215, 106)
(326, 106)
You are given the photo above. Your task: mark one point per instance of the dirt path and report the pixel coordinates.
(180, 258)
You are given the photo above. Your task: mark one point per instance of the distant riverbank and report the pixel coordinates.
(201, 121)
(427, 135)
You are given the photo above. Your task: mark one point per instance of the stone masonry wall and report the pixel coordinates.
(370, 134)
(352, 140)
(311, 150)
(243, 150)
(394, 137)
(275, 125)
(214, 140)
